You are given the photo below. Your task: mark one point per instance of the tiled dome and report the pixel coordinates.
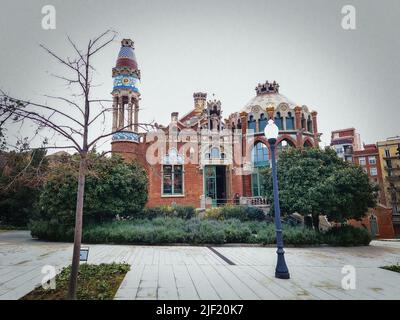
(268, 94)
(126, 55)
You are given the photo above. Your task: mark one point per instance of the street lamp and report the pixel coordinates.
(271, 132)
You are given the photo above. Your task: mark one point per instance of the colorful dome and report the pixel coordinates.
(126, 74)
(126, 56)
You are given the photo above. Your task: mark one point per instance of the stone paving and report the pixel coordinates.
(188, 272)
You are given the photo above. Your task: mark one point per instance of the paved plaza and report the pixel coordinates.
(227, 272)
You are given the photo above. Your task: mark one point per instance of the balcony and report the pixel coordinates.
(396, 218)
(392, 168)
(390, 157)
(393, 178)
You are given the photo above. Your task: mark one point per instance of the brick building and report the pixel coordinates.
(378, 220)
(389, 156)
(201, 157)
(345, 142)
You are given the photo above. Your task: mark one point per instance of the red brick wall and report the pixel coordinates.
(384, 222)
(193, 187)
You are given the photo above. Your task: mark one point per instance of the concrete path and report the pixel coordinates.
(186, 272)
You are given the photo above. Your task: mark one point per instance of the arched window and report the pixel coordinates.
(251, 123)
(260, 159)
(278, 121)
(215, 153)
(303, 121)
(309, 124)
(262, 122)
(260, 155)
(289, 121)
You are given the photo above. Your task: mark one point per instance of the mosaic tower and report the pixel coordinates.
(126, 96)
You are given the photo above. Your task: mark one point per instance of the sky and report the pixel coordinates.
(224, 48)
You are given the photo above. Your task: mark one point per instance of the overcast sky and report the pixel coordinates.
(352, 78)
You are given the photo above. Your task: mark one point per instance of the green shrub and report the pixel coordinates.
(234, 212)
(254, 213)
(347, 235)
(162, 230)
(112, 188)
(209, 231)
(236, 231)
(184, 212)
(213, 213)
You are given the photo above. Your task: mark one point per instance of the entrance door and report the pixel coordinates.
(215, 184)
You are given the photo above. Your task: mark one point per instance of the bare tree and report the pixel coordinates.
(72, 128)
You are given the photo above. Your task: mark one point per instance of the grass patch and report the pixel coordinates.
(395, 268)
(95, 282)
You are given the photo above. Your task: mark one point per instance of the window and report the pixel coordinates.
(372, 160)
(289, 121)
(361, 161)
(278, 120)
(257, 185)
(387, 153)
(252, 124)
(260, 155)
(172, 180)
(303, 121)
(262, 122)
(373, 172)
(215, 153)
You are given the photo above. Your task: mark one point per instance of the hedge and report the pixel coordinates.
(165, 230)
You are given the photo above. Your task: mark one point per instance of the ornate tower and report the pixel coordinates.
(125, 93)
(126, 96)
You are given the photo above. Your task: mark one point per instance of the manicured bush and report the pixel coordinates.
(234, 212)
(164, 230)
(236, 231)
(254, 213)
(347, 235)
(178, 211)
(213, 213)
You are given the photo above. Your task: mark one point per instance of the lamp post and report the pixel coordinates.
(271, 132)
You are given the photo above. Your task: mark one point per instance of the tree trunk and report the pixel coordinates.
(315, 218)
(78, 230)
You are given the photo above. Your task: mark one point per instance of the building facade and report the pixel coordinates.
(202, 158)
(389, 155)
(378, 220)
(345, 142)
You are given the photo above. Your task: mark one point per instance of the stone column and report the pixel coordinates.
(315, 128)
(297, 117)
(299, 134)
(115, 114)
(120, 113)
(130, 112)
(136, 117)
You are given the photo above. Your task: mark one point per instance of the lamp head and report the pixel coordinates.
(271, 131)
